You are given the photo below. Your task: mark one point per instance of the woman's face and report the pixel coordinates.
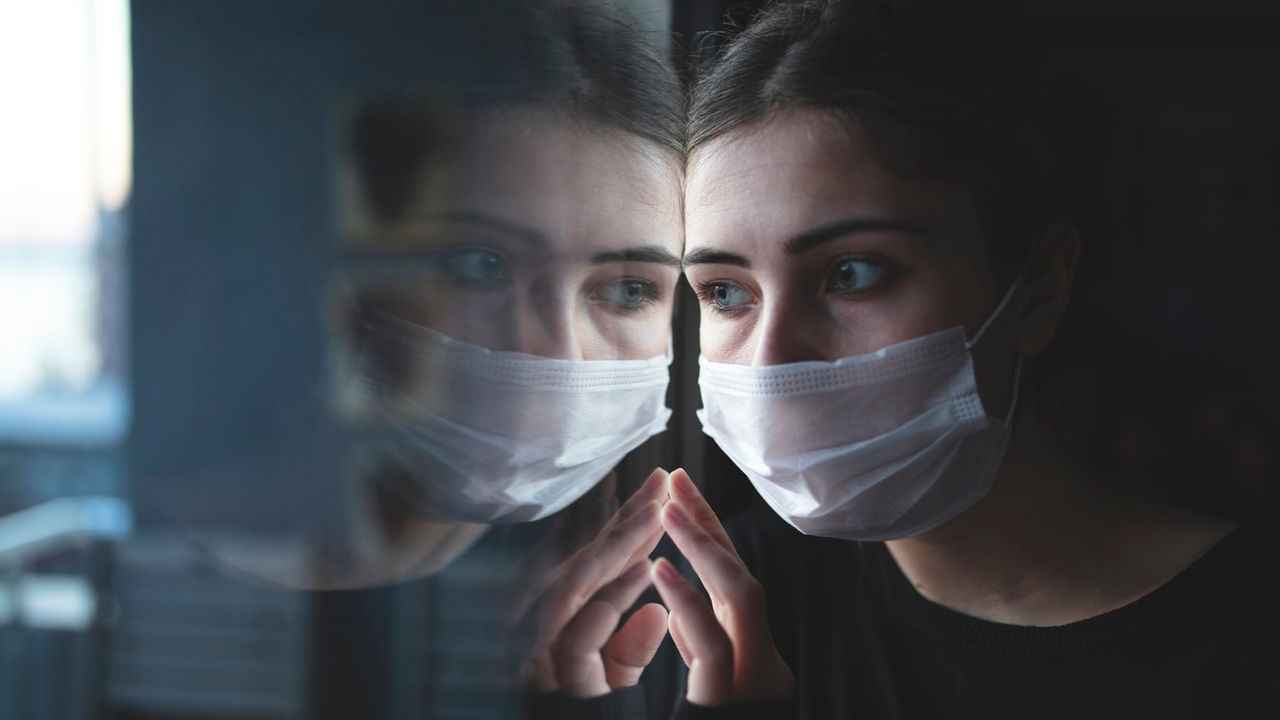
(801, 246)
(548, 238)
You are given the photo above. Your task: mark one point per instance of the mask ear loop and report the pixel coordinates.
(1013, 398)
(995, 314)
(1017, 372)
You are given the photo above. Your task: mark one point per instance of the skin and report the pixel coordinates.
(545, 237)
(726, 645)
(579, 649)
(560, 241)
(1050, 544)
(535, 234)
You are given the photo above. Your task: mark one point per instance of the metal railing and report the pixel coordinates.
(70, 604)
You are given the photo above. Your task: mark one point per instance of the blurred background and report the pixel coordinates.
(170, 234)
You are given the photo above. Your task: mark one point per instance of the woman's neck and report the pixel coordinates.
(1050, 545)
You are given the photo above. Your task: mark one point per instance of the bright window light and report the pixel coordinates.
(65, 149)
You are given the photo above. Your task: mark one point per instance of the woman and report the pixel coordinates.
(509, 287)
(879, 263)
(509, 318)
(510, 232)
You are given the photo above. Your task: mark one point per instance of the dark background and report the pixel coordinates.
(1166, 113)
(232, 248)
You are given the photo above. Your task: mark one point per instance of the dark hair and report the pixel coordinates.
(942, 89)
(589, 61)
(592, 60)
(936, 95)
(940, 93)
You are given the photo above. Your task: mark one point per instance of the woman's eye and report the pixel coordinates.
(724, 296)
(855, 275)
(629, 293)
(483, 268)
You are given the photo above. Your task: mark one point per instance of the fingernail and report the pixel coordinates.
(635, 572)
(676, 514)
(683, 484)
(665, 571)
(655, 478)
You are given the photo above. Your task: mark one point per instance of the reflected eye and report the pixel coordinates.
(629, 293)
(476, 266)
(724, 296)
(857, 275)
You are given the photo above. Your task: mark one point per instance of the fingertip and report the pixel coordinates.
(664, 573)
(654, 612)
(673, 514)
(640, 509)
(656, 477)
(638, 569)
(681, 485)
(654, 607)
(650, 510)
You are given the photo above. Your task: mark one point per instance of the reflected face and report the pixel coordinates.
(548, 238)
(521, 231)
(803, 246)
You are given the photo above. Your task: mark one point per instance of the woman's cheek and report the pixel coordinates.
(726, 339)
(907, 310)
(487, 319)
(634, 335)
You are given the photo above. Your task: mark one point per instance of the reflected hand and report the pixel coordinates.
(577, 650)
(727, 643)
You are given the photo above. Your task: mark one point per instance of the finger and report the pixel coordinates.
(591, 572)
(722, 572)
(631, 648)
(708, 650)
(612, 506)
(579, 671)
(575, 655)
(540, 673)
(622, 592)
(625, 544)
(685, 493)
(673, 626)
(646, 547)
(653, 489)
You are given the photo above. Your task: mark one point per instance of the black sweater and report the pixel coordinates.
(863, 643)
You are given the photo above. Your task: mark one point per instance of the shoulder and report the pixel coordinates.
(1234, 569)
(1220, 602)
(1229, 614)
(1211, 558)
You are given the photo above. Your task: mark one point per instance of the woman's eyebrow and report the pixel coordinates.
(527, 234)
(711, 256)
(822, 234)
(641, 254)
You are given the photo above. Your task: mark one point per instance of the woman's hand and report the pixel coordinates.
(726, 644)
(577, 650)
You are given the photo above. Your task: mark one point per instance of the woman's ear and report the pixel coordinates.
(1048, 283)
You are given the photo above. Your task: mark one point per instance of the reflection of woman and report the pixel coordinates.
(876, 265)
(511, 317)
(514, 286)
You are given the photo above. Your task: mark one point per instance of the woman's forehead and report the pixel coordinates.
(804, 167)
(576, 185)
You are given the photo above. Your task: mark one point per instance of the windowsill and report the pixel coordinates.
(96, 418)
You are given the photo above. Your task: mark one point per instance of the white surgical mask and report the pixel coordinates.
(871, 447)
(508, 437)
